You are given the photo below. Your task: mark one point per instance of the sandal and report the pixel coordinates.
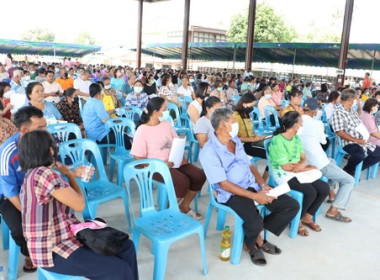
(28, 266)
(194, 215)
(339, 217)
(257, 257)
(270, 248)
(302, 231)
(313, 226)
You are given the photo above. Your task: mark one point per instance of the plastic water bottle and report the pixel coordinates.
(2, 272)
(225, 244)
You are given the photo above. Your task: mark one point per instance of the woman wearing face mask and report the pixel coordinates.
(195, 108)
(266, 100)
(203, 129)
(219, 92)
(119, 84)
(187, 179)
(253, 144)
(286, 157)
(137, 98)
(150, 86)
(367, 116)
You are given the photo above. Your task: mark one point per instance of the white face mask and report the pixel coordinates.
(165, 116)
(268, 96)
(299, 132)
(235, 130)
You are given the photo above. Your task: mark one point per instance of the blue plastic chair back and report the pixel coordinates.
(142, 171)
(174, 108)
(235, 98)
(284, 103)
(62, 131)
(130, 112)
(268, 111)
(121, 127)
(185, 102)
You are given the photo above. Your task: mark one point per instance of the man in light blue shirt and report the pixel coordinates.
(239, 185)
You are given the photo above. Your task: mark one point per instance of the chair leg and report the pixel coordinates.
(120, 166)
(221, 219)
(317, 213)
(195, 201)
(127, 213)
(136, 239)
(203, 249)
(237, 244)
(5, 234)
(111, 169)
(358, 171)
(160, 258)
(13, 259)
(375, 168)
(296, 220)
(208, 218)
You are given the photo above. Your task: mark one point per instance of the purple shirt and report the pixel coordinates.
(370, 123)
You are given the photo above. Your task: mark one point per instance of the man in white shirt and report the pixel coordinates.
(52, 90)
(312, 136)
(82, 84)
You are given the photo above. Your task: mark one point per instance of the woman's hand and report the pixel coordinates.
(78, 172)
(62, 168)
(184, 162)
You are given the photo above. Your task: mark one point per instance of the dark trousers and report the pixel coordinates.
(357, 155)
(12, 217)
(283, 209)
(84, 262)
(112, 140)
(313, 194)
(255, 150)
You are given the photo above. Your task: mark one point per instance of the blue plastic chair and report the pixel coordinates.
(332, 138)
(99, 189)
(5, 234)
(174, 108)
(284, 103)
(235, 99)
(62, 131)
(258, 124)
(268, 111)
(121, 127)
(185, 102)
(46, 275)
(298, 196)
(237, 243)
(14, 251)
(161, 227)
(130, 112)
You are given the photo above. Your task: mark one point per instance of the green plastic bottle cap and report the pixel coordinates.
(227, 228)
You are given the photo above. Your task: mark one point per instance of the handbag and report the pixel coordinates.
(99, 237)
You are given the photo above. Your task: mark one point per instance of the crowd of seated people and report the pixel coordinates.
(33, 94)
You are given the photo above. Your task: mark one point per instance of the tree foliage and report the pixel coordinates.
(38, 34)
(85, 38)
(269, 27)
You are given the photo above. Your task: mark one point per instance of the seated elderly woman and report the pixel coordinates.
(203, 129)
(69, 107)
(188, 179)
(35, 94)
(95, 116)
(287, 158)
(47, 206)
(367, 117)
(219, 92)
(239, 185)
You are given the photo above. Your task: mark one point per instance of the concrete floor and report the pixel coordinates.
(340, 251)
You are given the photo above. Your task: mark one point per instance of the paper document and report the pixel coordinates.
(177, 151)
(279, 190)
(308, 176)
(363, 131)
(18, 100)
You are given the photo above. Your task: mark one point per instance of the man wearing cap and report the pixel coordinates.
(312, 136)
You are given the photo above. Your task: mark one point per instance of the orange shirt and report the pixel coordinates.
(65, 84)
(366, 83)
(292, 108)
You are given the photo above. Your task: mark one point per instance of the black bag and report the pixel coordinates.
(105, 241)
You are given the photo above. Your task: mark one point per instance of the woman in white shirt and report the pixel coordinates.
(166, 91)
(203, 128)
(195, 108)
(185, 89)
(334, 98)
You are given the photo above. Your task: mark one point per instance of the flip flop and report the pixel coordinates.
(257, 257)
(194, 215)
(270, 248)
(28, 267)
(339, 218)
(313, 226)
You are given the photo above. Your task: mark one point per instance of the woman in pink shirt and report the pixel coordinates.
(368, 119)
(153, 139)
(276, 94)
(265, 100)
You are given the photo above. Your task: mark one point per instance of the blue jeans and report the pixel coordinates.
(345, 180)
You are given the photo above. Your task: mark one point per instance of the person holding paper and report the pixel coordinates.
(287, 158)
(238, 185)
(154, 139)
(349, 127)
(312, 136)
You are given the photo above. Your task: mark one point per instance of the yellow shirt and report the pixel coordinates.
(245, 126)
(109, 105)
(291, 108)
(364, 97)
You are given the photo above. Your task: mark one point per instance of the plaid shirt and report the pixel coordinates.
(133, 100)
(347, 121)
(46, 221)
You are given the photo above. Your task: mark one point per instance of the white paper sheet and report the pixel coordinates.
(18, 100)
(363, 131)
(177, 151)
(309, 176)
(279, 190)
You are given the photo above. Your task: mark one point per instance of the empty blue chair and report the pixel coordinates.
(62, 131)
(268, 111)
(161, 227)
(46, 275)
(173, 108)
(237, 243)
(130, 112)
(121, 127)
(99, 189)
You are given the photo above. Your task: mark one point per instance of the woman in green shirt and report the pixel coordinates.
(286, 157)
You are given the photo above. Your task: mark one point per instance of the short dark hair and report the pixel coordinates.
(69, 91)
(369, 104)
(30, 87)
(334, 95)
(95, 89)
(24, 114)
(34, 150)
(294, 92)
(49, 72)
(3, 85)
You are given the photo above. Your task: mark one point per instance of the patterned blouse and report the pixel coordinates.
(46, 221)
(69, 114)
(7, 129)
